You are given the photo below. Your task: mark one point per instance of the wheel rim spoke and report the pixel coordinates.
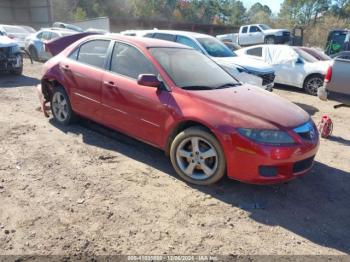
(184, 153)
(207, 170)
(190, 168)
(209, 153)
(195, 144)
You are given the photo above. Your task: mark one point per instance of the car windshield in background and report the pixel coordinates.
(191, 70)
(214, 47)
(265, 27)
(305, 56)
(15, 30)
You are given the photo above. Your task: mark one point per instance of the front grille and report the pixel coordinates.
(303, 165)
(307, 131)
(5, 52)
(267, 78)
(286, 33)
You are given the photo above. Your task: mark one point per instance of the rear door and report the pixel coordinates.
(83, 71)
(138, 110)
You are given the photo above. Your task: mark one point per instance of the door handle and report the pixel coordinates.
(109, 83)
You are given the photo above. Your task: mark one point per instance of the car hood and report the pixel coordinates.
(253, 107)
(246, 62)
(274, 31)
(6, 42)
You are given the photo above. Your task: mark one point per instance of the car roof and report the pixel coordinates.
(141, 41)
(177, 32)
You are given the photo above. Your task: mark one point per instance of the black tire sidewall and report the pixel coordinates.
(200, 132)
(268, 38)
(71, 115)
(309, 79)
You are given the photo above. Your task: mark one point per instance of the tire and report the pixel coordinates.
(312, 84)
(33, 53)
(61, 108)
(270, 40)
(190, 163)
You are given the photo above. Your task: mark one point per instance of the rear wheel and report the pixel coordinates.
(197, 156)
(61, 107)
(312, 84)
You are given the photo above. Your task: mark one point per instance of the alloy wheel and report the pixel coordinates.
(313, 84)
(60, 107)
(197, 158)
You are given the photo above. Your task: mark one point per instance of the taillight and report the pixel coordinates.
(328, 76)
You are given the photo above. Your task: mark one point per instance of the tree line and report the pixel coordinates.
(316, 16)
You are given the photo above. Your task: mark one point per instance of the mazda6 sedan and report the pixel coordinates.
(176, 99)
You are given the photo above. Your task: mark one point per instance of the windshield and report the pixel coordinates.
(192, 70)
(15, 30)
(305, 56)
(215, 48)
(264, 27)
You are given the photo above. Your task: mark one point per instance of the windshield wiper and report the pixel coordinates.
(197, 88)
(228, 85)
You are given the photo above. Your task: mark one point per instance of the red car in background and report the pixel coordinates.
(174, 98)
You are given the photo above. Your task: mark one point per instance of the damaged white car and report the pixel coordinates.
(11, 56)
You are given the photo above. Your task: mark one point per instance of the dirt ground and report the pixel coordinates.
(86, 189)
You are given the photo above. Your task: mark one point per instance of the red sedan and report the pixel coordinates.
(174, 98)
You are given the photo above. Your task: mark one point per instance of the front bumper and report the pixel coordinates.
(11, 62)
(261, 164)
(282, 39)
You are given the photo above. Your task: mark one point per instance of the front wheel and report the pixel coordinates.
(312, 84)
(61, 107)
(197, 156)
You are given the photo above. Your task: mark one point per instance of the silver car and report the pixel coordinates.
(16, 33)
(35, 43)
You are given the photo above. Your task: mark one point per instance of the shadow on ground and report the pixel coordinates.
(11, 81)
(311, 110)
(315, 207)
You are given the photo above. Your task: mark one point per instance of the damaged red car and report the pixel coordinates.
(174, 98)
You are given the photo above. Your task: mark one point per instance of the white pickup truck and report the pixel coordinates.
(257, 34)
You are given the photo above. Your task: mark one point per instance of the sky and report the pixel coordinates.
(273, 4)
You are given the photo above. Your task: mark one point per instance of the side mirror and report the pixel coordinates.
(148, 80)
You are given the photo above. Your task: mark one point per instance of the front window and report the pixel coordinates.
(264, 27)
(254, 29)
(214, 47)
(305, 56)
(191, 70)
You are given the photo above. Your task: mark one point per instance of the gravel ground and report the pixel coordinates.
(86, 189)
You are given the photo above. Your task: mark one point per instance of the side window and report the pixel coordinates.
(255, 51)
(54, 35)
(149, 35)
(93, 53)
(186, 41)
(254, 29)
(40, 35)
(245, 30)
(74, 54)
(46, 35)
(166, 37)
(129, 61)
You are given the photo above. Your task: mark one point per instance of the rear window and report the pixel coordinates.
(245, 29)
(214, 47)
(166, 37)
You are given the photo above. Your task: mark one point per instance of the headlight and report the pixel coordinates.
(273, 137)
